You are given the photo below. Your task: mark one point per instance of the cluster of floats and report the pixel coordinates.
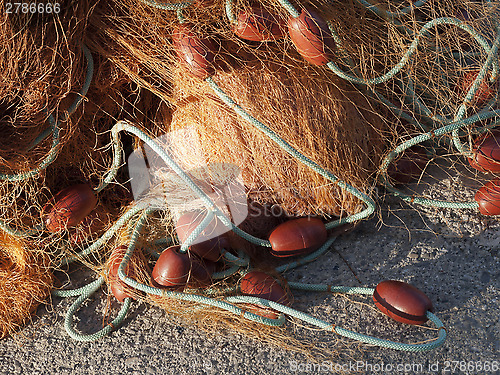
(176, 270)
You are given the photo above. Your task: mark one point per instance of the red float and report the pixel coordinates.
(312, 37)
(88, 229)
(402, 302)
(297, 237)
(209, 249)
(69, 207)
(486, 152)
(485, 92)
(488, 198)
(172, 269)
(409, 166)
(198, 54)
(201, 273)
(258, 25)
(261, 285)
(119, 289)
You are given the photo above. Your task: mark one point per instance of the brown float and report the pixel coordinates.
(297, 237)
(119, 289)
(486, 152)
(312, 37)
(488, 198)
(198, 54)
(258, 25)
(69, 207)
(402, 302)
(261, 285)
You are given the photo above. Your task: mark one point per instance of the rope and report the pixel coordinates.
(84, 293)
(425, 30)
(168, 6)
(300, 157)
(347, 333)
(392, 15)
(422, 138)
(469, 97)
(229, 303)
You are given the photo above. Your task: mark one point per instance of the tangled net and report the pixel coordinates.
(406, 93)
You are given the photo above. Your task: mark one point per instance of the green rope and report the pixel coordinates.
(196, 232)
(300, 157)
(242, 261)
(290, 8)
(308, 258)
(425, 30)
(84, 293)
(228, 304)
(169, 6)
(422, 138)
(492, 57)
(347, 333)
(392, 15)
(229, 8)
(387, 15)
(180, 295)
(105, 237)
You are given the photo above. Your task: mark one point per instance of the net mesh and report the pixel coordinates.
(343, 117)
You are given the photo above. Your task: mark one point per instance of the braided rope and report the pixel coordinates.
(388, 14)
(228, 304)
(425, 30)
(84, 293)
(168, 6)
(300, 157)
(490, 60)
(422, 138)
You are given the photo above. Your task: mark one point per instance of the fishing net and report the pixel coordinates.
(146, 111)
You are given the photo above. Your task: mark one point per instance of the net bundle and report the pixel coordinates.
(394, 93)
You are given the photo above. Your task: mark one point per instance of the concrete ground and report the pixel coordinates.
(451, 255)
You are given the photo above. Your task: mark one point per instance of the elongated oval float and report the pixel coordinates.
(209, 249)
(297, 237)
(486, 152)
(69, 207)
(485, 92)
(402, 302)
(258, 25)
(119, 289)
(312, 37)
(261, 285)
(196, 53)
(488, 198)
(409, 166)
(172, 269)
